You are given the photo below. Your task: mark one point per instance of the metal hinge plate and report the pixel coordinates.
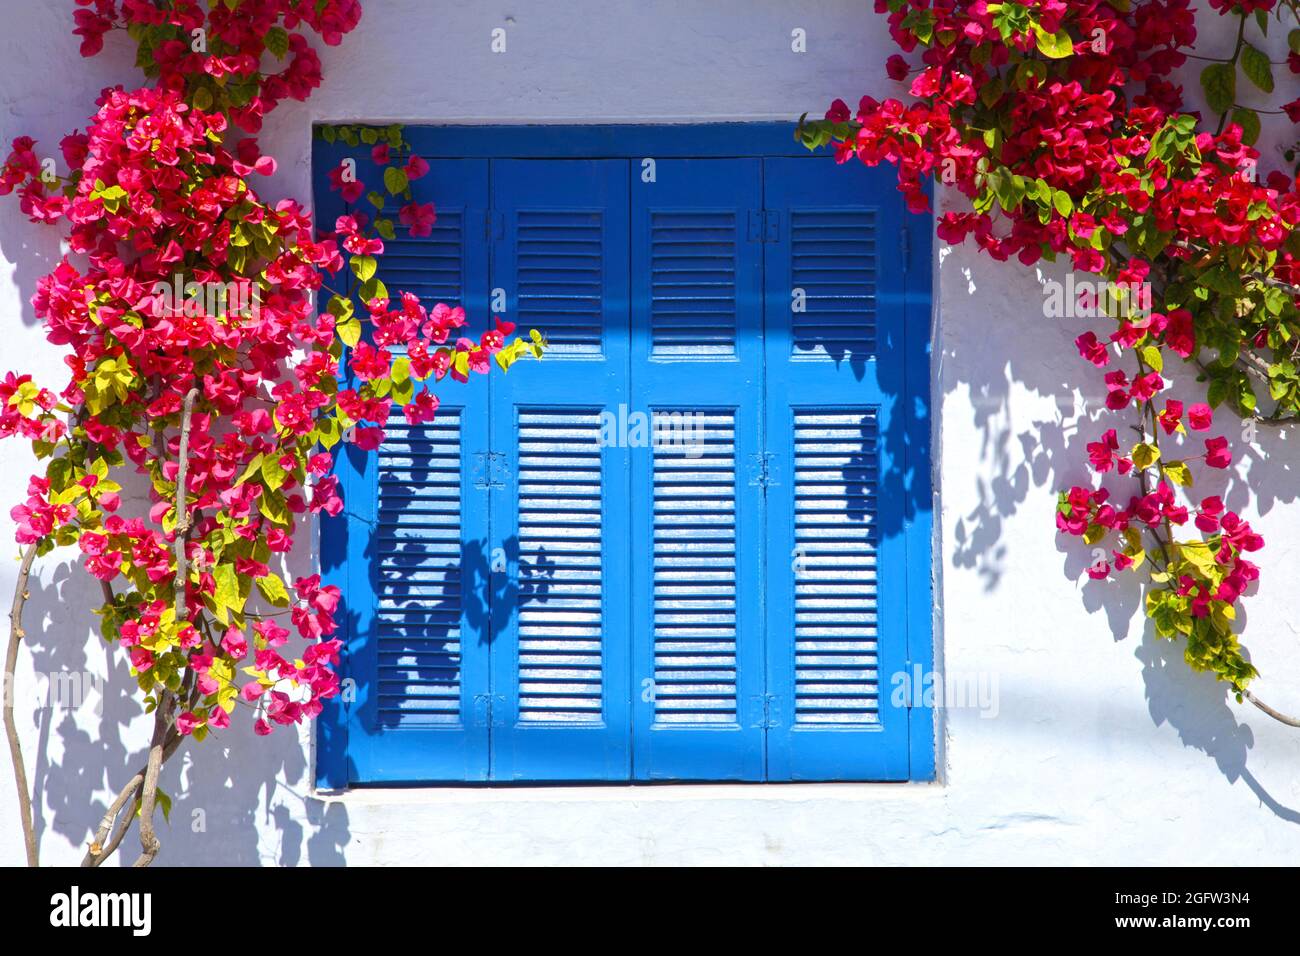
(762, 469)
(490, 470)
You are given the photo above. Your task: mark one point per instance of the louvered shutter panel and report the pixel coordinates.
(837, 570)
(697, 507)
(409, 551)
(560, 512)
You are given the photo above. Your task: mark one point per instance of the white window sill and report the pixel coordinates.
(627, 793)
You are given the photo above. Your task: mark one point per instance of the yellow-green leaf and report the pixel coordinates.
(349, 332)
(364, 267)
(1145, 454)
(1055, 46)
(1179, 473)
(273, 589)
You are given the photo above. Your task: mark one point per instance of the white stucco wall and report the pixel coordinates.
(1105, 748)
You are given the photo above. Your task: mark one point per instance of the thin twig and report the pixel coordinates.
(16, 636)
(1275, 714)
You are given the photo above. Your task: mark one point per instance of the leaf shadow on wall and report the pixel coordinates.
(1011, 368)
(230, 792)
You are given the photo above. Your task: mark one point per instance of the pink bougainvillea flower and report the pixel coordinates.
(1170, 418)
(419, 218)
(416, 168)
(1207, 518)
(1217, 454)
(1092, 349)
(423, 409)
(234, 643)
(187, 723)
(141, 659)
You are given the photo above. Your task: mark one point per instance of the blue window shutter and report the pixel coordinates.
(697, 510)
(560, 669)
(408, 551)
(837, 571)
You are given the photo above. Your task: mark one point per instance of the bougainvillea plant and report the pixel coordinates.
(1063, 125)
(197, 358)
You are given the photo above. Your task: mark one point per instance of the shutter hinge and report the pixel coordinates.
(764, 225)
(762, 469)
(494, 224)
(905, 245)
(491, 470)
(765, 710)
(489, 710)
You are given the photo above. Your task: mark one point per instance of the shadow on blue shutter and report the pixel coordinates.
(693, 543)
(409, 551)
(559, 648)
(836, 426)
(697, 517)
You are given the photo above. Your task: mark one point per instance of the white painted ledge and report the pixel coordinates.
(652, 793)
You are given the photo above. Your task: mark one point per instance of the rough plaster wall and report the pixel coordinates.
(1105, 749)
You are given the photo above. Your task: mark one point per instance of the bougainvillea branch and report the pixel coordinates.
(1063, 126)
(199, 362)
(11, 729)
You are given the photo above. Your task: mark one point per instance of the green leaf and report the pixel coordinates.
(1293, 41)
(1063, 203)
(341, 308)
(1179, 473)
(1055, 46)
(1248, 120)
(1219, 81)
(273, 590)
(273, 508)
(1145, 455)
(253, 468)
(1199, 555)
(385, 228)
(1217, 392)
(364, 267)
(401, 370)
(327, 431)
(373, 289)
(349, 332)
(277, 41)
(227, 591)
(395, 180)
(1254, 63)
(1153, 357)
(272, 474)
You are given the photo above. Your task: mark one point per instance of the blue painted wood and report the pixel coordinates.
(916, 489)
(836, 431)
(697, 515)
(409, 551)
(560, 664)
(673, 295)
(609, 141)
